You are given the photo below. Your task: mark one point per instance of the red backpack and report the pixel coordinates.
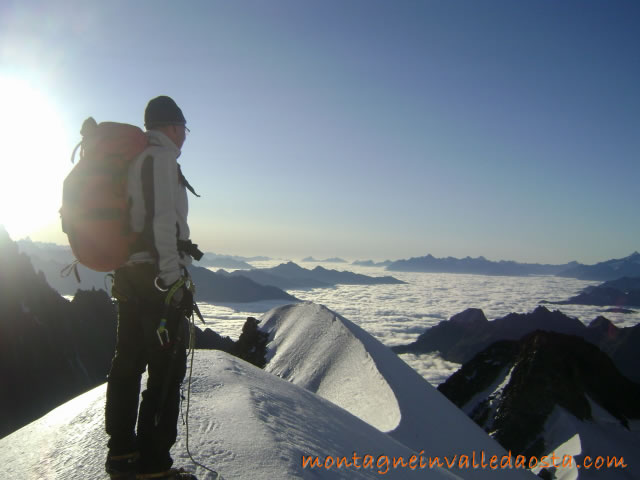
(95, 209)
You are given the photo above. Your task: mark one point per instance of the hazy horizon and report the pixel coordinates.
(362, 129)
(348, 259)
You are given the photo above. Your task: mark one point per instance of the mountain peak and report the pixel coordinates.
(468, 317)
(541, 310)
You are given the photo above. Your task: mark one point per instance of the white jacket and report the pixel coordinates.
(159, 206)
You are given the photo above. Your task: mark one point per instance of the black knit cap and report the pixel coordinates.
(161, 111)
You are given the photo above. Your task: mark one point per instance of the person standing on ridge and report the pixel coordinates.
(154, 302)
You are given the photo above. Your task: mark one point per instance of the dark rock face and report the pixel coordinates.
(251, 346)
(621, 344)
(51, 350)
(207, 339)
(524, 380)
(466, 334)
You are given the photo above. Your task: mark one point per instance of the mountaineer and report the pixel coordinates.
(154, 301)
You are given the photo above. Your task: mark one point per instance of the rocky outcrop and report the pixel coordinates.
(251, 346)
(512, 387)
(50, 349)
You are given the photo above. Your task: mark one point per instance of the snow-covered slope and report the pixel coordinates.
(601, 440)
(322, 351)
(244, 422)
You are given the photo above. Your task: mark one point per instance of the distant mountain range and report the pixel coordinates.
(290, 276)
(478, 266)
(221, 261)
(50, 259)
(470, 265)
(623, 292)
(371, 263)
(609, 270)
(216, 287)
(328, 260)
(242, 285)
(227, 261)
(469, 332)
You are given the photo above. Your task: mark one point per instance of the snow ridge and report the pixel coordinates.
(428, 421)
(328, 360)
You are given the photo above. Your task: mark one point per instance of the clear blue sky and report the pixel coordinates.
(357, 128)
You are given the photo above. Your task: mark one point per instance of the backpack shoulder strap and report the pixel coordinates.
(185, 182)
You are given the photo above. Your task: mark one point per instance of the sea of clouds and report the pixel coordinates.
(398, 314)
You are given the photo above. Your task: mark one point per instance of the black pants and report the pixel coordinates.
(140, 308)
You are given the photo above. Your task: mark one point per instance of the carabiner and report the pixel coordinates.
(163, 333)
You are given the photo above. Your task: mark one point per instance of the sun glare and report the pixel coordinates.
(34, 158)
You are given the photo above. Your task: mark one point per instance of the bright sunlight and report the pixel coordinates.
(35, 158)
